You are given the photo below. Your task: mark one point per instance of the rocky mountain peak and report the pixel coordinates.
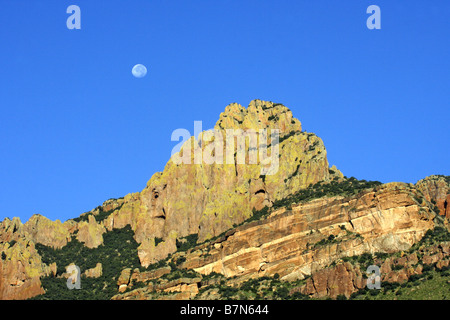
(259, 115)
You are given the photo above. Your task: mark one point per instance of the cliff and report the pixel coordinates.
(437, 189)
(287, 214)
(314, 247)
(207, 199)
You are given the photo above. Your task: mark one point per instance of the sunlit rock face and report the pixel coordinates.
(207, 199)
(386, 219)
(437, 188)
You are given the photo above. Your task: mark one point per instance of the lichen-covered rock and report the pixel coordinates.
(90, 233)
(11, 230)
(385, 219)
(437, 188)
(20, 270)
(95, 272)
(150, 253)
(208, 199)
(49, 233)
(124, 279)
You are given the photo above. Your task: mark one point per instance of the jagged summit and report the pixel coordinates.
(259, 115)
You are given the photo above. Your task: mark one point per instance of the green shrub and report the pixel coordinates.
(290, 134)
(190, 242)
(397, 267)
(180, 260)
(374, 292)
(415, 277)
(427, 267)
(282, 293)
(365, 259)
(381, 255)
(299, 296)
(102, 215)
(389, 286)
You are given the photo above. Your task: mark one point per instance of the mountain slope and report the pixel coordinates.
(196, 223)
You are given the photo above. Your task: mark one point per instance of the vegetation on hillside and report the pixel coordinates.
(432, 284)
(431, 237)
(446, 178)
(345, 187)
(118, 251)
(187, 243)
(262, 288)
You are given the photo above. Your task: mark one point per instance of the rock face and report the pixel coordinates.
(90, 233)
(296, 243)
(344, 279)
(124, 279)
(308, 239)
(50, 233)
(437, 188)
(207, 199)
(20, 264)
(150, 253)
(94, 272)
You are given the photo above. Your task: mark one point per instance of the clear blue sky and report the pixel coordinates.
(77, 128)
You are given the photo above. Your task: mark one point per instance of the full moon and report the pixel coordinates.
(139, 71)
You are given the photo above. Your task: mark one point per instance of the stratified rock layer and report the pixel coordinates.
(295, 243)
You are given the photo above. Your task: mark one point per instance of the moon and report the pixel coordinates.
(139, 71)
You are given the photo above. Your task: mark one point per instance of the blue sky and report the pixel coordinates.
(77, 128)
